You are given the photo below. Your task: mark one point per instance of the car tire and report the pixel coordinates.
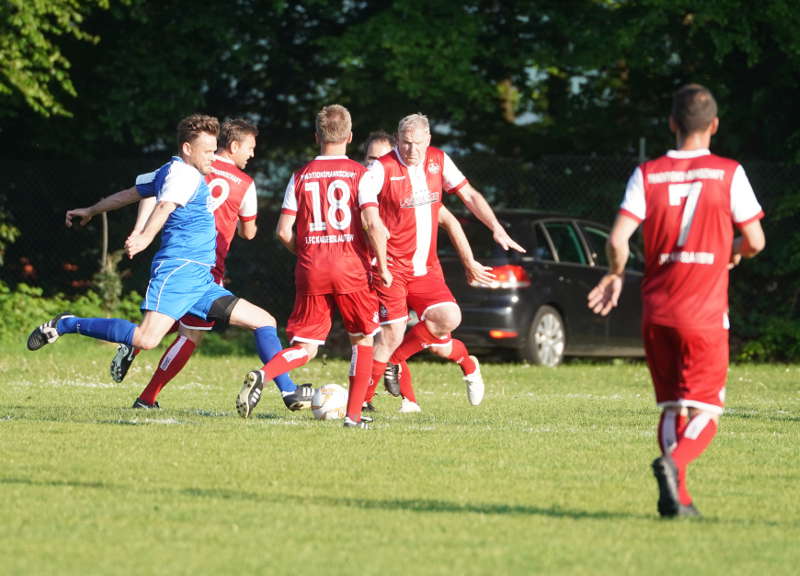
(547, 338)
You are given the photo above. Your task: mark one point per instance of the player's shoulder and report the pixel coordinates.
(180, 169)
(227, 169)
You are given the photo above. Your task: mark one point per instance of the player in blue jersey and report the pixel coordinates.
(180, 275)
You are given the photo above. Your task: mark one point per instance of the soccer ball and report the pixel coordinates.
(329, 402)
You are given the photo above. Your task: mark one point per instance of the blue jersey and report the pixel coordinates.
(189, 233)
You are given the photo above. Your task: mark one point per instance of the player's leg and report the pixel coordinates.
(704, 368)
(393, 317)
(359, 311)
(190, 334)
(124, 357)
(311, 316)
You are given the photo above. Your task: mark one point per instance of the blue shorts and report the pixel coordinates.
(178, 287)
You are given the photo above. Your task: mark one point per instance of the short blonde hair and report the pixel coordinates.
(333, 124)
(413, 121)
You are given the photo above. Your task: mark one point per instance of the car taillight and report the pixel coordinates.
(508, 276)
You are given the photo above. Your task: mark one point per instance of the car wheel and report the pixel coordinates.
(546, 338)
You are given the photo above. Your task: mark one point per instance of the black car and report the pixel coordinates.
(536, 307)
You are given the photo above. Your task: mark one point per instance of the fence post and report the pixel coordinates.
(642, 149)
(104, 251)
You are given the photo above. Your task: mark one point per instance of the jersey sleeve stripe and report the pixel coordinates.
(367, 204)
(744, 223)
(247, 218)
(288, 211)
(630, 214)
(454, 189)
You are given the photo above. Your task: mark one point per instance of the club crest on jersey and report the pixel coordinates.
(434, 167)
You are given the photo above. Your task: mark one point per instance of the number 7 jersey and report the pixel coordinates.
(332, 256)
(689, 202)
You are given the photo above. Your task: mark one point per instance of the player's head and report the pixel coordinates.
(334, 125)
(694, 110)
(378, 143)
(413, 138)
(237, 141)
(197, 140)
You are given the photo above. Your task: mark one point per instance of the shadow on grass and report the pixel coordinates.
(405, 505)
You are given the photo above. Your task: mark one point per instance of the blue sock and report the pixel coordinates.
(268, 344)
(110, 329)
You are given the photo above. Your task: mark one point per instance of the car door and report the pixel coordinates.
(587, 333)
(625, 332)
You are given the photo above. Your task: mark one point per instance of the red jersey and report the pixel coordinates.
(688, 202)
(410, 199)
(232, 197)
(332, 256)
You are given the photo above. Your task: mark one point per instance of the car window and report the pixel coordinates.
(542, 250)
(481, 241)
(596, 239)
(567, 244)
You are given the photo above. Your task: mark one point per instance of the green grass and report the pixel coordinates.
(550, 475)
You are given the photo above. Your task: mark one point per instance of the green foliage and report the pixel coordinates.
(779, 340)
(8, 231)
(32, 63)
(25, 307)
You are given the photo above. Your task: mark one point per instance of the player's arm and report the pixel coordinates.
(246, 226)
(605, 296)
(138, 241)
(376, 235)
(107, 204)
(146, 207)
(285, 231)
(476, 272)
(246, 229)
(477, 204)
(750, 243)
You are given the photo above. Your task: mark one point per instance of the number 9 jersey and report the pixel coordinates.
(332, 256)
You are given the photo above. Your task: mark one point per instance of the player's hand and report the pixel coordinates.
(501, 237)
(136, 243)
(83, 213)
(734, 261)
(605, 296)
(386, 277)
(478, 274)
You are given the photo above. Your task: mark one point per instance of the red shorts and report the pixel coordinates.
(195, 322)
(420, 293)
(311, 316)
(689, 367)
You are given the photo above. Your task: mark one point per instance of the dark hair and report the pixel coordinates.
(693, 108)
(235, 130)
(379, 136)
(192, 126)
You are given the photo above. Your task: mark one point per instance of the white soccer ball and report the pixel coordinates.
(329, 402)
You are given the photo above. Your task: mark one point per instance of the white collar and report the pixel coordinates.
(337, 157)
(688, 153)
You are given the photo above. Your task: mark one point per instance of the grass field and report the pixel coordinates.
(550, 475)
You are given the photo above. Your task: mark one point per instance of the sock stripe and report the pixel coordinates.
(696, 426)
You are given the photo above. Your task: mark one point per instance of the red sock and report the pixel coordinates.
(284, 361)
(377, 373)
(460, 356)
(172, 362)
(699, 433)
(360, 367)
(415, 340)
(406, 389)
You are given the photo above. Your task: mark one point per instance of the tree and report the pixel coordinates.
(32, 65)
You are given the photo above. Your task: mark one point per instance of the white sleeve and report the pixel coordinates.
(249, 206)
(289, 198)
(452, 176)
(634, 201)
(744, 205)
(180, 184)
(371, 184)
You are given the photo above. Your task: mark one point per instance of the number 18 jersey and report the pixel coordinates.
(689, 202)
(332, 256)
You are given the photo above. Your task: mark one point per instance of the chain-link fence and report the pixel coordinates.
(46, 254)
